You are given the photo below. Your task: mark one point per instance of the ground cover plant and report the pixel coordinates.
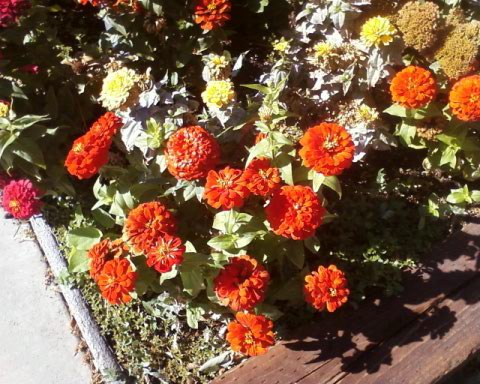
(213, 166)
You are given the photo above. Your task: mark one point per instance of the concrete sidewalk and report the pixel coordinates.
(36, 343)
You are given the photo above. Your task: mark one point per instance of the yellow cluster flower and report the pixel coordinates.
(366, 114)
(218, 94)
(322, 49)
(218, 65)
(377, 31)
(4, 108)
(117, 87)
(281, 45)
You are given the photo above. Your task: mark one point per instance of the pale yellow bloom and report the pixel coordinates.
(4, 108)
(218, 65)
(281, 45)
(218, 94)
(322, 49)
(377, 31)
(117, 87)
(367, 114)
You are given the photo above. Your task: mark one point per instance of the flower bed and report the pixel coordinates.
(218, 172)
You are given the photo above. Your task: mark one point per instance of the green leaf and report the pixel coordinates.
(223, 242)
(317, 179)
(230, 221)
(29, 151)
(459, 196)
(269, 310)
(296, 253)
(475, 195)
(78, 261)
(168, 275)
(192, 280)
(194, 315)
(103, 218)
(332, 182)
(312, 244)
(257, 87)
(83, 238)
(396, 110)
(27, 121)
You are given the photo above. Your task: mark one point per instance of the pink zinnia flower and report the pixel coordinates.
(30, 68)
(11, 10)
(21, 199)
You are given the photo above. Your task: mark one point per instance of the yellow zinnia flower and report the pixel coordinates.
(377, 31)
(281, 45)
(117, 87)
(218, 94)
(4, 108)
(322, 49)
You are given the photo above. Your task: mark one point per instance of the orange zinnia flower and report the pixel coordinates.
(146, 225)
(327, 148)
(89, 152)
(211, 14)
(465, 98)
(413, 87)
(226, 188)
(167, 252)
(262, 179)
(250, 334)
(191, 152)
(116, 281)
(294, 212)
(242, 283)
(326, 288)
(104, 251)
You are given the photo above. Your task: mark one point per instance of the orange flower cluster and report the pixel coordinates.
(413, 87)
(89, 152)
(242, 283)
(226, 188)
(295, 212)
(167, 253)
(112, 271)
(464, 98)
(211, 14)
(146, 225)
(117, 280)
(262, 179)
(326, 288)
(191, 153)
(327, 148)
(250, 334)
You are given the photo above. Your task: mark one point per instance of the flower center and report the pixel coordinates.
(249, 338)
(332, 291)
(14, 205)
(212, 6)
(77, 148)
(225, 183)
(330, 143)
(474, 98)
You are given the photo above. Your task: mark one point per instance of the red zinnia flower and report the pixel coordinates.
(116, 281)
(413, 87)
(89, 152)
(295, 212)
(327, 148)
(262, 179)
(167, 252)
(326, 288)
(104, 251)
(11, 10)
(465, 98)
(242, 283)
(21, 199)
(250, 334)
(226, 188)
(191, 152)
(211, 14)
(146, 225)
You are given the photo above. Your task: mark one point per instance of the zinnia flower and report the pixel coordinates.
(250, 334)
(146, 225)
(377, 31)
(413, 87)
(11, 10)
(117, 87)
(21, 199)
(294, 212)
(218, 94)
(191, 152)
(226, 188)
(104, 251)
(326, 288)
(4, 108)
(167, 252)
(327, 148)
(211, 14)
(261, 178)
(117, 281)
(89, 152)
(30, 68)
(242, 283)
(465, 98)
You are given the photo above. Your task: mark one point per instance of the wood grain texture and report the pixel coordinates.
(327, 350)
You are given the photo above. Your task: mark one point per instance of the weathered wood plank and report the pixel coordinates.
(452, 335)
(335, 342)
